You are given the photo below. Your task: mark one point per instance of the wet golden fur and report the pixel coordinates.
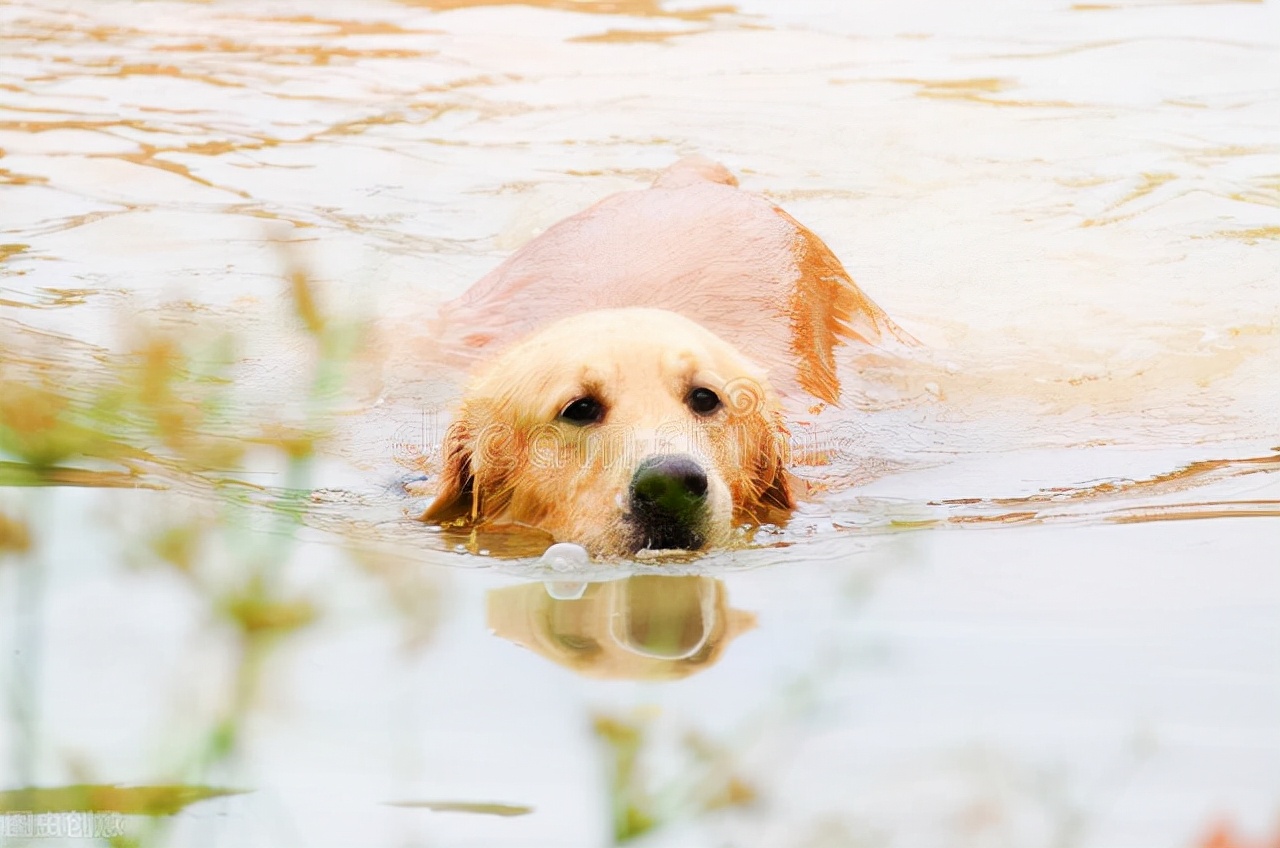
(638, 298)
(510, 460)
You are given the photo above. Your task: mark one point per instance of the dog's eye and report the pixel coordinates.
(703, 401)
(585, 410)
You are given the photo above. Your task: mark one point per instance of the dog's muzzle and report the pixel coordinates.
(669, 503)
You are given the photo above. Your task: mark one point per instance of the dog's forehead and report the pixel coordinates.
(611, 354)
(638, 357)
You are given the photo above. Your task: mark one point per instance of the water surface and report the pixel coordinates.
(1031, 598)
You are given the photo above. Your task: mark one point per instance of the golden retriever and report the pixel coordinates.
(644, 350)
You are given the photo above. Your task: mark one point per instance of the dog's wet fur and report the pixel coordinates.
(630, 366)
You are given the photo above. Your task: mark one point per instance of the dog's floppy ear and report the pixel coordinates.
(764, 447)
(771, 484)
(763, 491)
(456, 495)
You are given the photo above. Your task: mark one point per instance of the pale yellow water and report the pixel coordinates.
(1040, 609)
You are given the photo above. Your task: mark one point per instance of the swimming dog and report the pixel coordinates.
(631, 365)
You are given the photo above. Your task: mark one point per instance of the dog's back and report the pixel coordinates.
(694, 244)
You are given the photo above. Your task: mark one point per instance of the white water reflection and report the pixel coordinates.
(1075, 207)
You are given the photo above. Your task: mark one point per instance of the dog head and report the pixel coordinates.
(619, 430)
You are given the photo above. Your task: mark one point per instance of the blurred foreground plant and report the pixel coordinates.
(15, 536)
(170, 414)
(705, 779)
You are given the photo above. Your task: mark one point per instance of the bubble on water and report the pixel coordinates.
(565, 556)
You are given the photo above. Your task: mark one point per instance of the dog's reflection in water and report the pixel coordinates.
(646, 627)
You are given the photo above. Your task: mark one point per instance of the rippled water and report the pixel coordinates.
(1034, 603)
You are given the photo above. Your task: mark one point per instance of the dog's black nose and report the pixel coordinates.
(668, 502)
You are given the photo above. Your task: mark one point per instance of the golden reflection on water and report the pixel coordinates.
(1254, 235)
(1114, 500)
(635, 8)
(1138, 4)
(632, 36)
(645, 627)
(980, 90)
